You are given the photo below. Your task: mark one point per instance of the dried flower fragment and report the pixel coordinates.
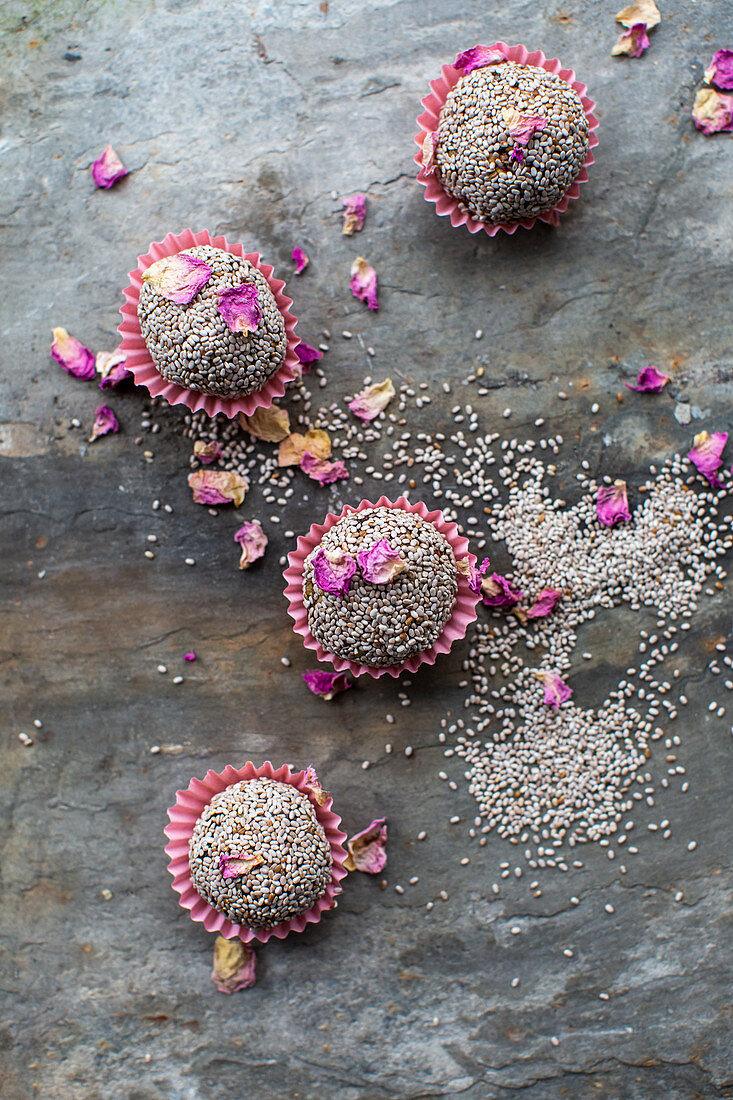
(522, 127)
(111, 366)
(478, 57)
(234, 965)
(240, 307)
(354, 213)
(497, 591)
(712, 112)
(107, 169)
(649, 380)
(368, 849)
(253, 541)
(207, 452)
(105, 422)
(307, 354)
(189, 656)
(472, 574)
(429, 145)
(326, 684)
(632, 42)
(641, 11)
(612, 504)
(380, 564)
(313, 784)
(323, 471)
(234, 866)
(71, 355)
(218, 487)
(364, 282)
(300, 260)
(517, 154)
(705, 455)
(556, 690)
(272, 425)
(292, 449)
(373, 400)
(178, 278)
(720, 70)
(333, 570)
(545, 603)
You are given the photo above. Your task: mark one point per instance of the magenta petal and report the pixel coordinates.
(189, 656)
(546, 602)
(105, 422)
(240, 307)
(649, 380)
(556, 690)
(612, 505)
(108, 169)
(478, 57)
(178, 278)
(354, 213)
(300, 260)
(333, 570)
(307, 354)
(71, 355)
(380, 564)
(720, 70)
(326, 684)
(632, 42)
(364, 282)
(322, 470)
(368, 849)
(112, 366)
(706, 455)
(471, 573)
(253, 541)
(497, 591)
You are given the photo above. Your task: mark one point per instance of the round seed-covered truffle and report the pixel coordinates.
(499, 176)
(193, 346)
(258, 853)
(382, 624)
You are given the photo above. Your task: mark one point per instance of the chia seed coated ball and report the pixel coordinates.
(474, 149)
(384, 624)
(276, 822)
(193, 346)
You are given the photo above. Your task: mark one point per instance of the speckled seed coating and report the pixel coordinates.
(384, 624)
(276, 821)
(193, 346)
(473, 152)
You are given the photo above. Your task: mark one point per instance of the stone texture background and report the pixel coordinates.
(244, 119)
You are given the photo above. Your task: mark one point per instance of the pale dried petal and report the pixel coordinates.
(612, 505)
(326, 684)
(364, 282)
(471, 573)
(105, 422)
(313, 784)
(234, 866)
(632, 42)
(333, 570)
(292, 449)
(373, 400)
(71, 355)
(429, 145)
(323, 471)
(111, 366)
(556, 690)
(178, 278)
(641, 11)
(368, 849)
(706, 453)
(478, 57)
(300, 260)
(253, 541)
(207, 452)
(234, 965)
(649, 380)
(712, 112)
(380, 564)
(354, 213)
(240, 307)
(522, 127)
(218, 487)
(272, 425)
(107, 169)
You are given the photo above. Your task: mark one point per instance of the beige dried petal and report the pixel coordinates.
(234, 965)
(217, 487)
(641, 11)
(271, 424)
(292, 449)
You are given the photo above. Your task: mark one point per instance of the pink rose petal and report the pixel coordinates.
(713, 112)
(545, 602)
(429, 145)
(207, 452)
(354, 213)
(612, 505)
(333, 570)
(478, 57)
(373, 400)
(234, 965)
(323, 470)
(108, 169)
(649, 380)
(632, 42)
(313, 784)
(253, 541)
(380, 564)
(300, 260)
(720, 70)
(326, 684)
(473, 575)
(178, 278)
(307, 355)
(706, 455)
(240, 307)
(71, 355)
(218, 487)
(368, 849)
(105, 422)
(189, 656)
(556, 690)
(522, 127)
(364, 282)
(234, 866)
(497, 591)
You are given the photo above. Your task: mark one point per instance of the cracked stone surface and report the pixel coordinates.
(245, 121)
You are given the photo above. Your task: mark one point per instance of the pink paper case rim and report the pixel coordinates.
(428, 121)
(184, 814)
(464, 610)
(140, 362)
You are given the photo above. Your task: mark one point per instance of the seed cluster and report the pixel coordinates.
(193, 346)
(384, 624)
(277, 822)
(474, 148)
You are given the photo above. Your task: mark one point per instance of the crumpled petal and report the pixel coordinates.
(649, 380)
(640, 11)
(517, 154)
(333, 570)
(178, 278)
(368, 849)
(373, 400)
(107, 169)
(364, 282)
(240, 307)
(545, 602)
(307, 353)
(272, 425)
(632, 42)
(234, 965)
(234, 866)
(71, 355)
(300, 260)
(429, 145)
(354, 213)
(522, 127)
(497, 591)
(478, 57)
(105, 422)
(111, 365)
(218, 487)
(712, 112)
(313, 784)
(612, 504)
(323, 471)
(253, 541)
(556, 690)
(472, 574)
(189, 656)
(292, 449)
(326, 684)
(207, 452)
(706, 453)
(720, 70)
(380, 564)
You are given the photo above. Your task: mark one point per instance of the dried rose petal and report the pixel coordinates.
(354, 213)
(472, 574)
(240, 307)
(364, 282)
(368, 849)
(612, 504)
(234, 866)
(478, 57)
(497, 591)
(705, 455)
(326, 684)
(313, 784)
(641, 11)
(189, 656)
(373, 400)
(545, 602)
(300, 260)
(308, 354)
(234, 965)
(111, 365)
(429, 146)
(108, 169)
(380, 564)
(218, 487)
(292, 449)
(333, 570)
(517, 154)
(105, 422)
(323, 471)
(522, 127)
(649, 380)
(272, 425)
(207, 452)
(556, 690)
(712, 112)
(253, 541)
(71, 355)
(178, 278)
(632, 42)
(720, 70)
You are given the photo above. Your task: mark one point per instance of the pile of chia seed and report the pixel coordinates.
(193, 346)
(384, 624)
(474, 148)
(277, 822)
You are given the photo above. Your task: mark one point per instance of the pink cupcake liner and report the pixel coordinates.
(464, 610)
(429, 120)
(183, 816)
(140, 362)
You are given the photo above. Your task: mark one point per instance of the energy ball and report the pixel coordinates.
(379, 587)
(258, 853)
(192, 344)
(511, 140)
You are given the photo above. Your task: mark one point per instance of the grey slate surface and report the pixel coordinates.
(244, 119)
